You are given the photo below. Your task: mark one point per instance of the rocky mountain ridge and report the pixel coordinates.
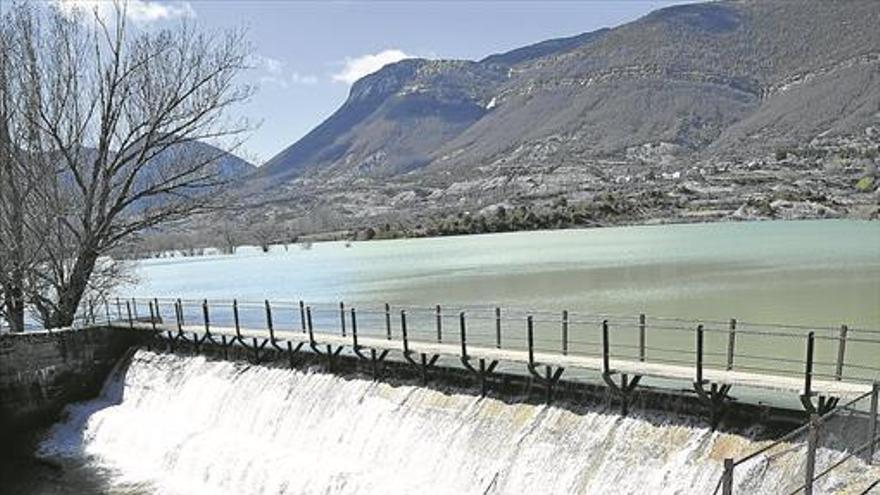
(680, 113)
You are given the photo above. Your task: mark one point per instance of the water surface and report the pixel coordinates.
(808, 272)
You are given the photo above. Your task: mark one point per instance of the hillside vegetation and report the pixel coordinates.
(723, 110)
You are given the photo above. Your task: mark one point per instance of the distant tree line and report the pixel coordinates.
(222, 236)
(559, 214)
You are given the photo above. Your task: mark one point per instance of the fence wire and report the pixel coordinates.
(840, 353)
(830, 443)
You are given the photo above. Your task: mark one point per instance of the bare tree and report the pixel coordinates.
(24, 168)
(229, 238)
(265, 234)
(116, 111)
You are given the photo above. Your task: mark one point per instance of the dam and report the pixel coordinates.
(286, 397)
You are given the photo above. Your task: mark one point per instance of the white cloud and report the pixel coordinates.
(272, 65)
(141, 11)
(273, 72)
(358, 67)
(307, 79)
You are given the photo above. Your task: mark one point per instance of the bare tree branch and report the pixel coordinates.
(98, 142)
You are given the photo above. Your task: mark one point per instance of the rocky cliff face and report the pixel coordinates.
(705, 86)
(392, 120)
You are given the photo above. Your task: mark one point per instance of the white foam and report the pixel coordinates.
(190, 426)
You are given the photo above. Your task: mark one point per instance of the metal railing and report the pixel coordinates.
(858, 418)
(840, 353)
(835, 354)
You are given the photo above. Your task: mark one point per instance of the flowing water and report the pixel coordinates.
(184, 425)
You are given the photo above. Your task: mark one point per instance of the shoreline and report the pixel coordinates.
(650, 223)
(305, 241)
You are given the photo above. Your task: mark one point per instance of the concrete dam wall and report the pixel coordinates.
(278, 402)
(41, 372)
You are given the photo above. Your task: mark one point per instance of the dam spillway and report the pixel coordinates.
(162, 424)
(176, 424)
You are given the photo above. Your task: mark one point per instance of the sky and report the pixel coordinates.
(307, 53)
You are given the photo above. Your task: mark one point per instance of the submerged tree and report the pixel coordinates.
(99, 134)
(265, 234)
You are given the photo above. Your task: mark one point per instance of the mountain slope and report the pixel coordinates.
(631, 111)
(391, 119)
(700, 77)
(212, 169)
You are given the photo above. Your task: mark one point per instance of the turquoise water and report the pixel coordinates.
(807, 272)
(820, 274)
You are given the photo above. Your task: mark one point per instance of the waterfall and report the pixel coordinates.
(187, 425)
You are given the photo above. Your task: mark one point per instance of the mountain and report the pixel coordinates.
(225, 165)
(686, 86)
(216, 170)
(393, 118)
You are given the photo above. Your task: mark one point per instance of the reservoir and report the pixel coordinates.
(180, 424)
(806, 272)
(814, 275)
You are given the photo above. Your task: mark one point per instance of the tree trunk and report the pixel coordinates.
(70, 295)
(13, 229)
(13, 305)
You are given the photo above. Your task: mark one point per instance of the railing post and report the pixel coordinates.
(130, 320)
(731, 343)
(565, 332)
(342, 317)
(302, 315)
(354, 328)
(270, 324)
(841, 352)
(642, 337)
(700, 354)
(180, 308)
(727, 483)
(463, 328)
(403, 331)
(236, 320)
(387, 321)
(530, 331)
(808, 365)
(497, 328)
(178, 315)
(439, 318)
(207, 317)
(606, 348)
(107, 309)
(309, 325)
(152, 316)
(118, 309)
(158, 310)
(875, 396)
(812, 444)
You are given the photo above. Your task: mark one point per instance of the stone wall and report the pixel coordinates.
(40, 372)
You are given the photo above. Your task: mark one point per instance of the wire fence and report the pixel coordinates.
(841, 353)
(840, 441)
(831, 442)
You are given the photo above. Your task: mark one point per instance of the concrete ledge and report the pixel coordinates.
(40, 372)
(505, 386)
